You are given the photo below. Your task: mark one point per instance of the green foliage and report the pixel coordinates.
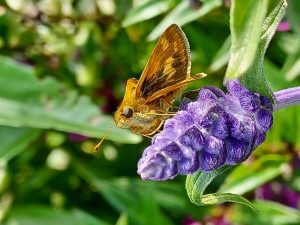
(63, 70)
(146, 10)
(34, 214)
(245, 35)
(247, 178)
(250, 39)
(15, 140)
(254, 78)
(198, 182)
(183, 14)
(47, 104)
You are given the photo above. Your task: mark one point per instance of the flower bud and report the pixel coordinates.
(215, 130)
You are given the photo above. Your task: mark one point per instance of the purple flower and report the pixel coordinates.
(279, 193)
(215, 130)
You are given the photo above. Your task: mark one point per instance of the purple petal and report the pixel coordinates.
(259, 139)
(220, 129)
(208, 120)
(243, 129)
(234, 87)
(218, 92)
(249, 102)
(184, 118)
(205, 94)
(170, 123)
(192, 137)
(173, 151)
(184, 103)
(190, 163)
(213, 145)
(156, 168)
(237, 151)
(209, 162)
(265, 102)
(264, 119)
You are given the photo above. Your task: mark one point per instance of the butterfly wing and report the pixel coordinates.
(168, 65)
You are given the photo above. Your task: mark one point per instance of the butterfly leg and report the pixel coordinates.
(137, 131)
(166, 101)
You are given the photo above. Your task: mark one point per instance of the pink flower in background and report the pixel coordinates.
(278, 192)
(284, 26)
(77, 137)
(190, 221)
(208, 220)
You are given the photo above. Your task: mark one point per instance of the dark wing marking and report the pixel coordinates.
(168, 64)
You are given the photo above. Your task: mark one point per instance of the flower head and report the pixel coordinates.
(214, 130)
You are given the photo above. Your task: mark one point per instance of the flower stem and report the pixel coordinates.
(287, 97)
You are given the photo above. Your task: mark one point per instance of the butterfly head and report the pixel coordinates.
(124, 115)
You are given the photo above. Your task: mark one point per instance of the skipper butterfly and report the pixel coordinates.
(147, 102)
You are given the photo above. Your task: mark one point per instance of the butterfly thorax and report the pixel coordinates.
(141, 117)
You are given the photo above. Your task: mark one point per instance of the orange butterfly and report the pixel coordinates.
(147, 101)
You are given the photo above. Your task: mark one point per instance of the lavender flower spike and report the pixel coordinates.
(218, 129)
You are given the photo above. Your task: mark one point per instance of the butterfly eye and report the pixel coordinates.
(127, 112)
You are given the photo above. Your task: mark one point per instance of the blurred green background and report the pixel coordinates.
(63, 70)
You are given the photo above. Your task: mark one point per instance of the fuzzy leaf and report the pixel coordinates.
(30, 102)
(197, 183)
(254, 78)
(246, 21)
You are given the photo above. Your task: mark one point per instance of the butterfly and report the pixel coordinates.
(147, 102)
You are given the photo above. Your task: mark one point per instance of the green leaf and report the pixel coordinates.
(291, 67)
(145, 11)
(275, 77)
(271, 213)
(276, 208)
(292, 124)
(293, 15)
(126, 195)
(196, 184)
(222, 56)
(122, 220)
(289, 43)
(43, 215)
(245, 178)
(15, 140)
(49, 105)
(254, 78)
(246, 21)
(183, 14)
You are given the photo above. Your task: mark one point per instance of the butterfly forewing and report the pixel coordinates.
(168, 64)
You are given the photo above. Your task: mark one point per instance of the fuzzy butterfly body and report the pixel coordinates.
(147, 101)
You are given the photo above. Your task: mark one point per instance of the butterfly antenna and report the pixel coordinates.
(96, 148)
